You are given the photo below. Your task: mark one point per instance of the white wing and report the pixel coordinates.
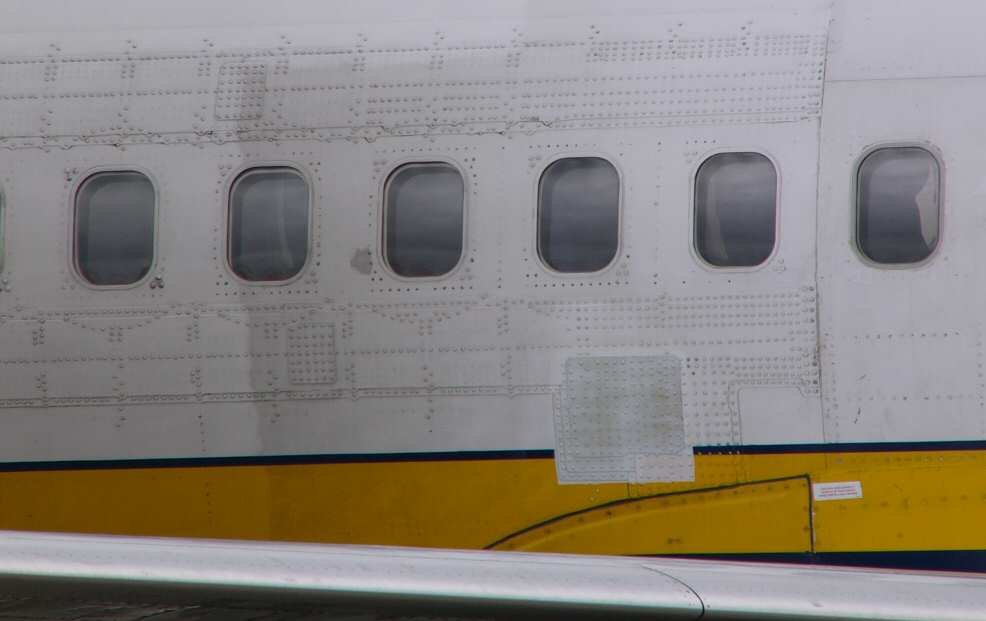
(131, 579)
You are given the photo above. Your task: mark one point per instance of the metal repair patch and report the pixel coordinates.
(620, 419)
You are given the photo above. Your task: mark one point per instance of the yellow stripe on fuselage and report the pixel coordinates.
(912, 500)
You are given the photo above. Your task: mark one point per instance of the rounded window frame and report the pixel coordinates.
(83, 179)
(232, 179)
(693, 219)
(938, 157)
(617, 253)
(384, 194)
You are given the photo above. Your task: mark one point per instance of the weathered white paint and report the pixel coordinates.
(474, 360)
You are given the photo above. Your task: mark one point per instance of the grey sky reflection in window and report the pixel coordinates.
(114, 228)
(268, 228)
(735, 209)
(898, 205)
(579, 214)
(423, 219)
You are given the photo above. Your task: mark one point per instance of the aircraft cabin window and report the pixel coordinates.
(268, 224)
(579, 214)
(114, 228)
(898, 205)
(423, 219)
(735, 209)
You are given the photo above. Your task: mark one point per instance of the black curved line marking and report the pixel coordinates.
(626, 501)
(701, 602)
(811, 515)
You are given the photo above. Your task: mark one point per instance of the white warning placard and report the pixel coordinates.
(843, 490)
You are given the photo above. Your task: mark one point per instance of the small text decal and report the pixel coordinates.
(837, 491)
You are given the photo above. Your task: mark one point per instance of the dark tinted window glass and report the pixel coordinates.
(424, 214)
(268, 228)
(735, 209)
(579, 214)
(898, 205)
(114, 228)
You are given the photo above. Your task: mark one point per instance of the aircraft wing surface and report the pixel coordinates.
(84, 577)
